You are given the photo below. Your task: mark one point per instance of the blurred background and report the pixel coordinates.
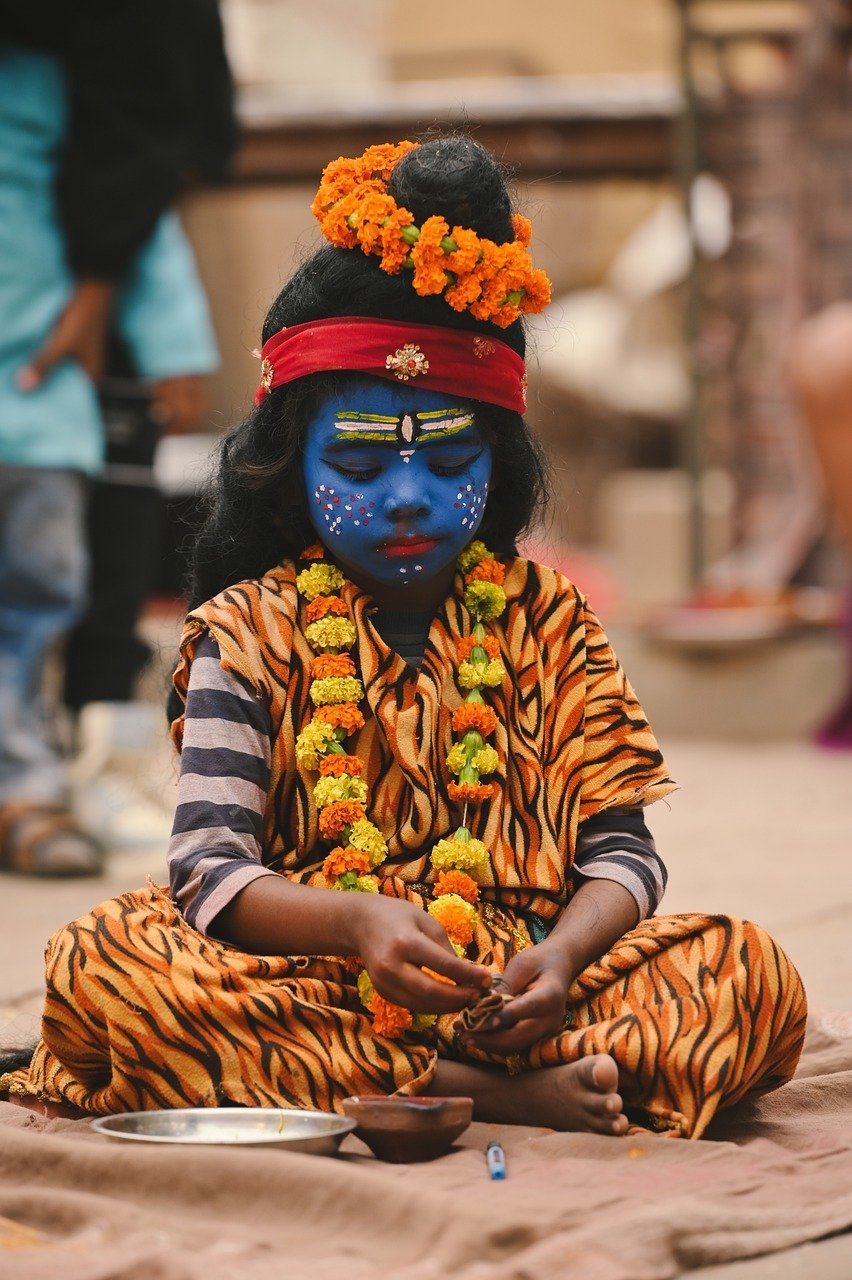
(687, 165)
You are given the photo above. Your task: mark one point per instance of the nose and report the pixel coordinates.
(406, 500)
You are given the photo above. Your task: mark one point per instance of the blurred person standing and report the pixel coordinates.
(103, 115)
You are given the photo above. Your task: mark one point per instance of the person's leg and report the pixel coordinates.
(42, 586)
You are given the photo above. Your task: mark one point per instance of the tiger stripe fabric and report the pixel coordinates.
(143, 1010)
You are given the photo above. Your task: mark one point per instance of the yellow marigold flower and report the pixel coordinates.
(366, 990)
(311, 744)
(460, 855)
(331, 633)
(363, 835)
(330, 790)
(473, 676)
(319, 580)
(368, 884)
(472, 555)
(457, 759)
(333, 689)
(425, 1021)
(485, 600)
(486, 760)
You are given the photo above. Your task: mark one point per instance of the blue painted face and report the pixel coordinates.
(396, 480)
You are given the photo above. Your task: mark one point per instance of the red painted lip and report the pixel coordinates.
(409, 546)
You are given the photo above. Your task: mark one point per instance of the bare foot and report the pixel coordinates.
(581, 1096)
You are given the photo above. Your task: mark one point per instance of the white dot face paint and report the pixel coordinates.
(470, 503)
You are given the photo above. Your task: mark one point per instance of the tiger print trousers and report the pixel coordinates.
(142, 1012)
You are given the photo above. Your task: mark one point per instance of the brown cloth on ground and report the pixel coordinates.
(774, 1173)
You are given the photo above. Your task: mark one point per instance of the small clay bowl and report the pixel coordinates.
(407, 1130)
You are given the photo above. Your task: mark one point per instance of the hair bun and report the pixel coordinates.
(456, 179)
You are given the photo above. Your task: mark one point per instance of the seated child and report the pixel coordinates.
(409, 854)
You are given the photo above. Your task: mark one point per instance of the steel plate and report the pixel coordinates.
(315, 1132)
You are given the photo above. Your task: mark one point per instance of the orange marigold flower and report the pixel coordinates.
(465, 291)
(488, 570)
(522, 228)
(341, 715)
(472, 715)
(457, 882)
(430, 273)
(389, 1019)
(331, 664)
(316, 551)
(471, 792)
(537, 292)
(458, 924)
(467, 644)
(370, 217)
(341, 860)
(322, 605)
(334, 818)
(334, 765)
(465, 257)
(382, 158)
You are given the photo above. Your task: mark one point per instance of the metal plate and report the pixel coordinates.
(315, 1132)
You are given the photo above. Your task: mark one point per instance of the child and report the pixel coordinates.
(408, 854)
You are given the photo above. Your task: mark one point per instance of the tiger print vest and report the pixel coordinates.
(571, 736)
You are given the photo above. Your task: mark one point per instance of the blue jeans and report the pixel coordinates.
(42, 591)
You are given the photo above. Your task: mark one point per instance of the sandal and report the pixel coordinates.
(44, 840)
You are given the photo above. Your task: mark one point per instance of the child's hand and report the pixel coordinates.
(539, 979)
(397, 940)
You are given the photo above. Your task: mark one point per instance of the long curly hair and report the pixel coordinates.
(255, 510)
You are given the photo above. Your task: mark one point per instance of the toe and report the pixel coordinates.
(602, 1073)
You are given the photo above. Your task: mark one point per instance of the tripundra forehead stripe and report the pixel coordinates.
(407, 428)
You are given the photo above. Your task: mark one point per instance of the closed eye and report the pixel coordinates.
(456, 468)
(354, 473)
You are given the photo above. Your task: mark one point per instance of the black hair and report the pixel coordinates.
(255, 508)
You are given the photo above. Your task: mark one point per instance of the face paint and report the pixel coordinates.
(397, 480)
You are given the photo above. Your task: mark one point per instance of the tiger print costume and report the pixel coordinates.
(142, 1011)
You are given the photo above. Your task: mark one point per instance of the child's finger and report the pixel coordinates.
(427, 953)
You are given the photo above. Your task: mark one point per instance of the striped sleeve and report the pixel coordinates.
(617, 845)
(215, 849)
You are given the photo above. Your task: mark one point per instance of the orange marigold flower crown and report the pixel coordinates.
(494, 282)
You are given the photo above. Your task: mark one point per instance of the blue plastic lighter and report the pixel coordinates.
(495, 1158)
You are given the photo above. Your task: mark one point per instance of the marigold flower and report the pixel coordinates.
(522, 228)
(334, 819)
(319, 580)
(465, 291)
(430, 273)
(537, 292)
(336, 689)
(322, 605)
(316, 551)
(472, 555)
(488, 570)
(457, 758)
(471, 792)
(312, 744)
(473, 676)
(332, 790)
(390, 1019)
(453, 854)
(468, 643)
(341, 860)
(465, 256)
(473, 715)
(335, 765)
(367, 884)
(424, 1021)
(457, 916)
(393, 248)
(486, 760)
(459, 883)
(341, 715)
(366, 990)
(485, 600)
(331, 633)
(332, 664)
(364, 835)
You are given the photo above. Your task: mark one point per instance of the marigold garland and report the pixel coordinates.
(341, 793)
(495, 282)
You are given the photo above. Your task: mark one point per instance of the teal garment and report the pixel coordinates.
(161, 312)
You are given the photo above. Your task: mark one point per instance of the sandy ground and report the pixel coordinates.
(758, 831)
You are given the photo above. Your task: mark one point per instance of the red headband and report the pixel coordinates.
(453, 360)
